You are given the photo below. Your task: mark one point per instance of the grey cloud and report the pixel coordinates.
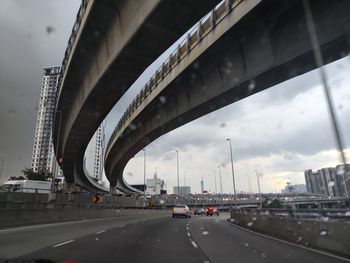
(25, 48)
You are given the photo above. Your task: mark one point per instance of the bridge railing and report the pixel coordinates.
(71, 41)
(200, 30)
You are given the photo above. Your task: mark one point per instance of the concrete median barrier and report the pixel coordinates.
(332, 236)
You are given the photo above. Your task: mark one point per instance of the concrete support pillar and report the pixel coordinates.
(69, 187)
(52, 197)
(113, 189)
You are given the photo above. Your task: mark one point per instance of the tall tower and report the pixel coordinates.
(99, 151)
(202, 186)
(43, 157)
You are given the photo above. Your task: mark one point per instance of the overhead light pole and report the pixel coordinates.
(216, 190)
(220, 179)
(233, 173)
(177, 167)
(257, 177)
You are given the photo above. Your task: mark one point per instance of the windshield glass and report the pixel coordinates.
(138, 131)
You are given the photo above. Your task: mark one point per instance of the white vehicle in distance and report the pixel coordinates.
(181, 210)
(27, 186)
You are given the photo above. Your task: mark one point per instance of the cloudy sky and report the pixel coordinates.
(280, 132)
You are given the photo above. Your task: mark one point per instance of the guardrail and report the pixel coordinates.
(201, 29)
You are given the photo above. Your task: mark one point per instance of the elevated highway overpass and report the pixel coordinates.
(111, 44)
(242, 48)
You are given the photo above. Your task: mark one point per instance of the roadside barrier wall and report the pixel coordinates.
(332, 236)
(26, 216)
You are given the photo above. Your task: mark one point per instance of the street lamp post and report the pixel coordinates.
(177, 167)
(220, 179)
(216, 190)
(257, 177)
(233, 174)
(144, 176)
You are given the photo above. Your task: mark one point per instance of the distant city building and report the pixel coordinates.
(327, 181)
(343, 174)
(43, 156)
(184, 190)
(294, 189)
(202, 186)
(99, 152)
(154, 186)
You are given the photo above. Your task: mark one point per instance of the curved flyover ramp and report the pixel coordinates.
(243, 49)
(112, 43)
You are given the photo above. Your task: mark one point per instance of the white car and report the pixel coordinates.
(181, 210)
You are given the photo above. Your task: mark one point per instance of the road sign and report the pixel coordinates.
(95, 198)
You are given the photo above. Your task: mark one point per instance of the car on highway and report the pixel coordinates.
(210, 211)
(181, 210)
(199, 211)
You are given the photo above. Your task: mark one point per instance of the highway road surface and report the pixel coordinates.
(162, 239)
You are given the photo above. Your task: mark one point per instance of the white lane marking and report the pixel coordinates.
(122, 226)
(188, 234)
(194, 244)
(187, 228)
(63, 243)
(100, 232)
(293, 244)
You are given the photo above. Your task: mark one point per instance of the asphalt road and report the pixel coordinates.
(163, 239)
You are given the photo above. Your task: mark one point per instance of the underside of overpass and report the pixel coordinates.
(244, 54)
(115, 43)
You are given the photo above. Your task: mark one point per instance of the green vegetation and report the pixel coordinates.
(272, 203)
(36, 176)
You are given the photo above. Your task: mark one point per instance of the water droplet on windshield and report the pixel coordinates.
(162, 99)
(323, 232)
(50, 30)
(205, 233)
(340, 170)
(325, 218)
(133, 126)
(249, 223)
(246, 244)
(252, 85)
(11, 113)
(222, 125)
(228, 71)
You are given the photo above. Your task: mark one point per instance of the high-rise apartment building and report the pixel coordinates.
(43, 157)
(327, 181)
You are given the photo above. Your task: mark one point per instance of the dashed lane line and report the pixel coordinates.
(63, 243)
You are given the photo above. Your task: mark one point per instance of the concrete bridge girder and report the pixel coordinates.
(118, 41)
(246, 53)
